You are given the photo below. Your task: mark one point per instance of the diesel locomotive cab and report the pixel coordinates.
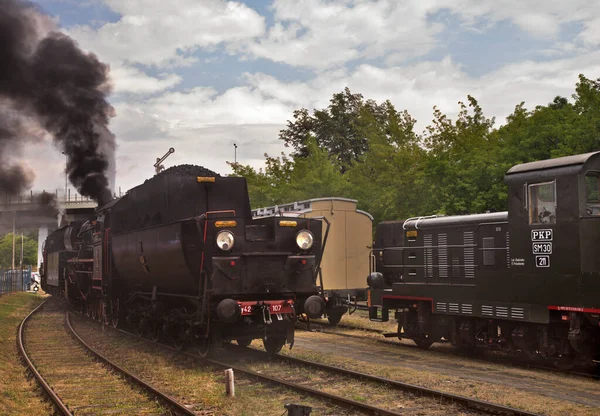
(524, 280)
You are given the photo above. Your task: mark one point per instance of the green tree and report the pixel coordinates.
(387, 179)
(30, 248)
(287, 179)
(337, 128)
(462, 170)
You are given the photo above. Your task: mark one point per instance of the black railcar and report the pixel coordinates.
(524, 280)
(180, 256)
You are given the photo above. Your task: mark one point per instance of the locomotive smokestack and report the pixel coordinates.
(45, 75)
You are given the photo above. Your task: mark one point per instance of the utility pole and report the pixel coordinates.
(13, 235)
(235, 153)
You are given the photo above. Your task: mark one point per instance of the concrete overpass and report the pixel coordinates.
(28, 212)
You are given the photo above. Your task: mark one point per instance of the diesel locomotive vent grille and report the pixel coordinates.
(443, 254)
(441, 307)
(428, 243)
(502, 311)
(466, 309)
(517, 313)
(453, 307)
(469, 250)
(507, 250)
(455, 267)
(487, 310)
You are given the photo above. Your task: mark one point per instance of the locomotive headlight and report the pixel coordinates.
(225, 240)
(304, 239)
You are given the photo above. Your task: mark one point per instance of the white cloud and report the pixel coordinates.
(127, 79)
(162, 33)
(321, 34)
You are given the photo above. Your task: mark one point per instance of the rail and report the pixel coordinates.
(21, 347)
(60, 405)
(164, 397)
(467, 402)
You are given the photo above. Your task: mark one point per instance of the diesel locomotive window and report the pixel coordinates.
(592, 185)
(542, 203)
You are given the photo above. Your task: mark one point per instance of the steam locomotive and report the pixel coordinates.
(181, 257)
(526, 280)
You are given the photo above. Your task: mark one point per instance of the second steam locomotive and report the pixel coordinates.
(180, 256)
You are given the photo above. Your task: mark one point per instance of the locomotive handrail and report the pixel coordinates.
(418, 219)
(206, 214)
(318, 265)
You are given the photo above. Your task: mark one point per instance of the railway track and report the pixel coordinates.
(390, 387)
(441, 397)
(508, 360)
(76, 382)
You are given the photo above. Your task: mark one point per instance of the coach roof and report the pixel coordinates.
(551, 163)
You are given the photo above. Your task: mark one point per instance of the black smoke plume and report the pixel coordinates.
(45, 75)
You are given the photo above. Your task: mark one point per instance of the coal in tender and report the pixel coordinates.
(188, 170)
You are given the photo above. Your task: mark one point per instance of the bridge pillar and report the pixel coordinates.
(42, 234)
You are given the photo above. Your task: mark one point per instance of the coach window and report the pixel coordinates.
(592, 186)
(542, 203)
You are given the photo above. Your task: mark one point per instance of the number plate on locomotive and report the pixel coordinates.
(542, 248)
(275, 307)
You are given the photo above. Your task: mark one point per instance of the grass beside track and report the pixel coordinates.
(199, 387)
(19, 392)
(448, 373)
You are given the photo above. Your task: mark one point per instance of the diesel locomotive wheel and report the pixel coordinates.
(273, 344)
(243, 342)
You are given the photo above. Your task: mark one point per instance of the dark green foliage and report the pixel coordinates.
(30, 248)
(368, 151)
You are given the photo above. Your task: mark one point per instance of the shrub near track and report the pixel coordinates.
(19, 392)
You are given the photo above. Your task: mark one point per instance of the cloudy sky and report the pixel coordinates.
(201, 75)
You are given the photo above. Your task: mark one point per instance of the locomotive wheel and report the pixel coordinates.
(334, 318)
(178, 343)
(93, 310)
(115, 313)
(203, 347)
(423, 343)
(243, 342)
(273, 344)
(142, 327)
(155, 332)
(564, 364)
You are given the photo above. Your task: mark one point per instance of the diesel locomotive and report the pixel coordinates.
(181, 257)
(526, 280)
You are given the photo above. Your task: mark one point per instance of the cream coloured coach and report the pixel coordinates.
(346, 258)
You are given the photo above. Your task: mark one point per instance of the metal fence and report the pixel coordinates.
(15, 280)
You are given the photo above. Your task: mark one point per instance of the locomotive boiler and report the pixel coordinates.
(181, 257)
(526, 280)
